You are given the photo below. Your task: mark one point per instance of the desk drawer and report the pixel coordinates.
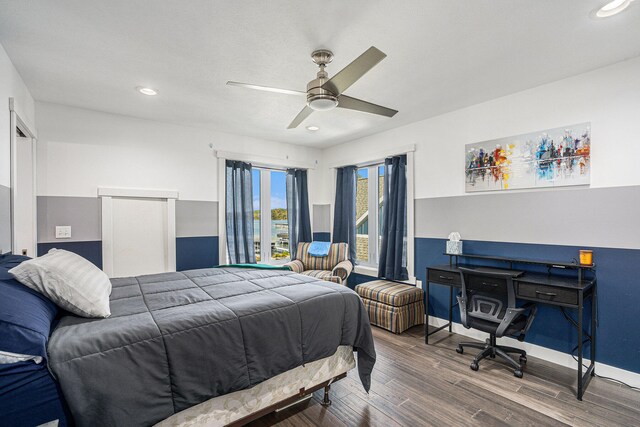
(487, 284)
(444, 277)
(549, 294)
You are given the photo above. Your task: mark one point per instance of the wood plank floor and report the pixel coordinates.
(418, 385)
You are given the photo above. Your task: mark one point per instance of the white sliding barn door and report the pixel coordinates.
(138, 231)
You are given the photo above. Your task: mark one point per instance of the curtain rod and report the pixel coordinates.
(376, 157)
(265, 161)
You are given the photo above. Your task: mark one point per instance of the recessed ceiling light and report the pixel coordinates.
(612, 8)
(146, 90)
(313, 128)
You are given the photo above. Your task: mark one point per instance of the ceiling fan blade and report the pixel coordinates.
(352, 72)
(306, 112)
(360, 105)
(267, 88)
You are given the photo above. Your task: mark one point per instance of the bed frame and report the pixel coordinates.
(304, 393)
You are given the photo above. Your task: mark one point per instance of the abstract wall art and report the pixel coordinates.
(549, 158)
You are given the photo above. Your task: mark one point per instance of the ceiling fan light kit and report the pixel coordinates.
(324, 93)
(319, 98)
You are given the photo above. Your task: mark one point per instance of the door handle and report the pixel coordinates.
(446, 278)
(495, 285)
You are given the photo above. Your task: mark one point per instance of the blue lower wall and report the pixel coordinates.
(618, 287)
(191, 252)
(322, 237)
(91, 250)
(196, 252)
(618, 335)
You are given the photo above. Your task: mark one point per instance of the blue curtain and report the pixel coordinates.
(298, 210)
(393, 252)
(239, 213)
(344, 216)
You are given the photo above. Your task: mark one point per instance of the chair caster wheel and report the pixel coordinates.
(460, 350)
(523, 360)
(517, 373)
(474, 366)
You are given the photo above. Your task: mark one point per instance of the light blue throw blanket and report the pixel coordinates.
(319, 249)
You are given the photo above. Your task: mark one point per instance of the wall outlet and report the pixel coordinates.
(63, 231)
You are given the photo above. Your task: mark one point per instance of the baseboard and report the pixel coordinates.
(553, 356)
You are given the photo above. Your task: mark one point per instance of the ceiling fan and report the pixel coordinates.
(324, 93)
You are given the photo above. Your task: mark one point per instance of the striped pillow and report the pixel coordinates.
(69, 280)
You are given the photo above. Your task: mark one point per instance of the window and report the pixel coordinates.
(380, 210)
(369, 211)
(255, 179)
(362, 216)
(270, 223)
(279, 222)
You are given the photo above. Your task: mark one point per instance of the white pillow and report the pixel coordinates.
(68, 280)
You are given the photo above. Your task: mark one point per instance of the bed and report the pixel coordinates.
(29, 396)
(177, 343)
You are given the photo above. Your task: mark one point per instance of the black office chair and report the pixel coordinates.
(488, 303)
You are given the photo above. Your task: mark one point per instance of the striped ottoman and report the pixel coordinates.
(393, 306)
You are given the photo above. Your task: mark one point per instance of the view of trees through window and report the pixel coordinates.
(255, 175)
(279, 222)
(270, 221)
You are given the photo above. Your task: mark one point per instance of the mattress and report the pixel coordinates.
(231, 407)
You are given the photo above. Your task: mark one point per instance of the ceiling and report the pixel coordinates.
(442, 55)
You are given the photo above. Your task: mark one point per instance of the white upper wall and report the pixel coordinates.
(80, 150)
(609, 98)
(11, 86)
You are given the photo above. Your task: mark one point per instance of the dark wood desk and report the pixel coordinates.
(552, 289)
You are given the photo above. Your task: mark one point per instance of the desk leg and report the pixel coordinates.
(580, 315)
(426, 307)
(594, 326)
(450, 307)
(426, 311)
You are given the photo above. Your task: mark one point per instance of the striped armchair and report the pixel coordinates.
(334, 268)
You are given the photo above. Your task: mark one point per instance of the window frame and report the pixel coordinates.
(373, 204)
(265, 217)
(263, 161)
(364, 158)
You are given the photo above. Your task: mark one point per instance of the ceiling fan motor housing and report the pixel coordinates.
(318, 98)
